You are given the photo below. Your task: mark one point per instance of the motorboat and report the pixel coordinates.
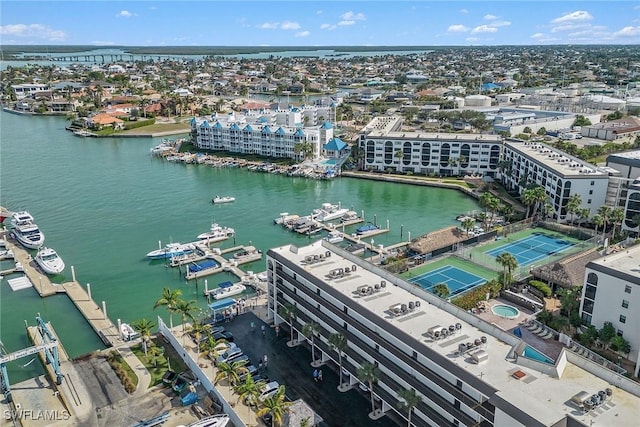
(171, 250)
(349, 216)
(49, 261)
(128, 333)
(329, 212)
(216, 232)
(248, 252)
(367, 228)
(223, 199)
(285, 218)
(26, 231)
(334, 237)
(226, 289)
(6, 254)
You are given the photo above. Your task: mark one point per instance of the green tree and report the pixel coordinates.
(186, 309)
(606, 333)
(369, 373)
(169, 299)
(288, 311)
(616, 217)
(467, 224)
(441, 290)
(311, 330)
(338, 342)
(620, 345)
(598, 220)
(542, 131)
(211, 347)
(144, 327)
(508, 263)
(275, 405)
(605, 213)
(408, 400)
(581, 121)
(573, 205)
(229, 371)
(248, 391)
(529, 199)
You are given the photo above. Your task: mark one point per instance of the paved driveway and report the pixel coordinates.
(291, 367)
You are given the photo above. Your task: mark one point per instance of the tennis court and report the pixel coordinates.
(533, 248)
(457, 280)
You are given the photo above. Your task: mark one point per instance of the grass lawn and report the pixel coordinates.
(161, 366)
(122, 369)
(158, 128)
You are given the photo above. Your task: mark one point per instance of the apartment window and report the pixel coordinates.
(593, 182)
(625, 303)
(589, 201)
(627, 289)
(620, 332)
(590, 191)
(623, 318)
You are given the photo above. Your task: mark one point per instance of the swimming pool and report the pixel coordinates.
(532, 353)
(504, 310)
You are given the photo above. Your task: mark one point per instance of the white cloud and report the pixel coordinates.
(35, 31)
(500, 23)
(346, 23)
(303, 34)
(569, 27)
(489, 17)
(465, 11)
(628, 32)
(125, 14)
(578, 15)
(541, 37)
(457, 28)
(328, 27)
(538, 36)
(484, 29)
(351, 16)
(288, 25)
(472, 39)
(269, 26)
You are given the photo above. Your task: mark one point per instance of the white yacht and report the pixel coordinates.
(226, 289)
(223, 199)
(171, 249)
(49, 261)
(216, 232)
(329, 212)
(26, 231)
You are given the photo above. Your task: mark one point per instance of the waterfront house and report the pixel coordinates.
(102, 120)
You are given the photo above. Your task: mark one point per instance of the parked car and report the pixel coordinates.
(268, 390)
(223, 335)
(168, 377)
(249, 370)
(180, 383)
(241, 360)
(227, 355)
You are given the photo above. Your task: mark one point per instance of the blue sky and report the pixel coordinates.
(319, 23)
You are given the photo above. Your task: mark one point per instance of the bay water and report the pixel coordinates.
(103, 203)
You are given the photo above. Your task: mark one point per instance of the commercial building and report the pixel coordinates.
(267, 133)
(465, 370)
(628, 127)
(611, 293)
(560, 174)
(386, 146)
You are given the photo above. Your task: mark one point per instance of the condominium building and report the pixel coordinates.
(267, 133)
(561, 175)
(386, 146)
(465, 370)
(611, 293)
(631, 221)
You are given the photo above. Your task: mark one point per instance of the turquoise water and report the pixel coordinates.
(104, 203)
(505, 310)
(534, 354)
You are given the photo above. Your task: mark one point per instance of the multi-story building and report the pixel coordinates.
(28, 89)
(631, 221)
(465, 370)
(385, 145)
(269, 133)
(561, 175)
(611, 293)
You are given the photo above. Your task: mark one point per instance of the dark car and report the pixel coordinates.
(180, 383)
(169, 377)
(267, 419)
(224, 335)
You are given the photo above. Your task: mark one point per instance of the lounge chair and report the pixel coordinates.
(547, 336)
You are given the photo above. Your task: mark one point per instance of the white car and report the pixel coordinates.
(229, 354)
(268, 390)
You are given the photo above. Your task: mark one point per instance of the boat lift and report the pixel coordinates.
(49, 346)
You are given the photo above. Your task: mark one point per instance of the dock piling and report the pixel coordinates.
(104, 310)
(73, 274)
(120, 329)
(89, 290)
(401, 229)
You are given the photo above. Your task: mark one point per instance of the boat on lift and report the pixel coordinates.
(171, 250)
(329, 212)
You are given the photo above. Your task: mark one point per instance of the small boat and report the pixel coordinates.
(349, 216)
(26, 231)
(128, 333)
(201, 266)
(248, 252)
(367, 228)
(6, 254)
(82, 133)
(49, 261)
(219, 420)
(223, 199)
(226, 289)
(170, 250)
(334, 237)
(216, 232)
(329, 212)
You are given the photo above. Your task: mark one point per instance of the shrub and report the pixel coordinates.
(541, 286)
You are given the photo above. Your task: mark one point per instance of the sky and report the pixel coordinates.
(318, 23)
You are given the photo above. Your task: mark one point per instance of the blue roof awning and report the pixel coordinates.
(222, 304)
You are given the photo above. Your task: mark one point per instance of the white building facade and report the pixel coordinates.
(611, 293)
(475, 374)
(561, 175)
(269, 134)
(385, 146)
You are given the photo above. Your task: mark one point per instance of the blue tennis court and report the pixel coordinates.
(456, 280)
(532, 248)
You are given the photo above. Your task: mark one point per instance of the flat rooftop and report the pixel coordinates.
(542, 396)
(556, 160)
(625, 261)
(387, 127)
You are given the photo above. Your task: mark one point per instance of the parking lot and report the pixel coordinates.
(291, 367)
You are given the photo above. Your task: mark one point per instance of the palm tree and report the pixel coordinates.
(275, 405)
(605, 213)
(155, 351)
(210, 346)
(441, 290)
(616, 217)
(540, 197)
(338, 342)
(583, 214)
(248, 391)
(197, 329)
(508, 263)
(229, 371)
(573, 205)
(409, 400)
(169, 299)
(288, 311)
(186, 310)
(144, 327)
(369, 373)
(310, 330)
(529, 199)
(467, 224)
(598, 220)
